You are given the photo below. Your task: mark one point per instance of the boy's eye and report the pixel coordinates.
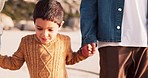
(50, 29)
(40, 28)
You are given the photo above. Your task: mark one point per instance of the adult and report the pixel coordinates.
(119, 27)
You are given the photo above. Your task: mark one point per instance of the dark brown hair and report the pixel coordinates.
(49, 10)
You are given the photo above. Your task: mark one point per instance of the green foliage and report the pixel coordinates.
(19, 9)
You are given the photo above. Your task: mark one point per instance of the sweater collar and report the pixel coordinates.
(48, 44)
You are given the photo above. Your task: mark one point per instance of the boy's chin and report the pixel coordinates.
(46, 42)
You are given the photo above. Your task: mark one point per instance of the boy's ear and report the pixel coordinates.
(61, 24)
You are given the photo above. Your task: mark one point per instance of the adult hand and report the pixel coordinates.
(89, 49)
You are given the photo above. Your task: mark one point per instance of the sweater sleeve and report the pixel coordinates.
(73, 57)
(15, 61)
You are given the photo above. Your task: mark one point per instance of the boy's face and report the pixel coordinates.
(46, 30)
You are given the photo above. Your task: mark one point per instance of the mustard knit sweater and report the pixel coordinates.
(43, 61)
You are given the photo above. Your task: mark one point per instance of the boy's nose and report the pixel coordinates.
(45, 34)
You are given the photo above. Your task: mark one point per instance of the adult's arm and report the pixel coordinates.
(88, 20)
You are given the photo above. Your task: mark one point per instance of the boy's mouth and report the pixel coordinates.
(44, 39)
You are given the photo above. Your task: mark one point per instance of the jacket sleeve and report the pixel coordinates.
(15, 61)
(89, 21)
(73, 57)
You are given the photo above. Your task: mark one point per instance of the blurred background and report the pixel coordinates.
(18, 14)
(16, 20)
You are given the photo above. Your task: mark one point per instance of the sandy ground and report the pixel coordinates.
(88, 68)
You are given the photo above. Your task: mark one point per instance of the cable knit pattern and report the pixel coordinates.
(43, 61)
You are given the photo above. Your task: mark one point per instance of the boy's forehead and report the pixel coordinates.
(41, 22)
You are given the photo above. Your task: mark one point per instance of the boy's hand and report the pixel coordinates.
(89, 49)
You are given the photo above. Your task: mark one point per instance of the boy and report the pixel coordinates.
(47, 52)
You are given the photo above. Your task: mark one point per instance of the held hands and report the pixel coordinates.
(89, 49)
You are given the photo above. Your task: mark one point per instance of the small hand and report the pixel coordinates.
(89, 49)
